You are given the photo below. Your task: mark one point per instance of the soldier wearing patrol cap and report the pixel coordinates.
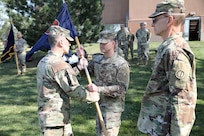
(122, 40)
(112, 75)
(168, 105)
(56, 83)
(143, 38)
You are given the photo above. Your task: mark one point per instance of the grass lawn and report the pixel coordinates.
(18, 95)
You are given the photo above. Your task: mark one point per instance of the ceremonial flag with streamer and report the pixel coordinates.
(8, 52)
(63, 20)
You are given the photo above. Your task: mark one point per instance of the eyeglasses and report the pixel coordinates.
(154, 20)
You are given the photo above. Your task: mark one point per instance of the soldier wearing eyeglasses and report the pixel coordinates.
(168, 104)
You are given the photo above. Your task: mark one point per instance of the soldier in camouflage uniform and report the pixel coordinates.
(118, 50)
(168, 105)
(122, 41)
(111, 73)
(56, 83)
(143, 38)
(21, 46)
(131, 39)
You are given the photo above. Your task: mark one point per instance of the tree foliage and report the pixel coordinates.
(4, 23)
(33, 17)
(87, 14)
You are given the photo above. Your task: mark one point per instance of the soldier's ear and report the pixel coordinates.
(170, 19)
(114, 43)
(60, 42)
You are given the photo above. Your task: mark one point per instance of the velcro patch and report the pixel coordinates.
(180, 74)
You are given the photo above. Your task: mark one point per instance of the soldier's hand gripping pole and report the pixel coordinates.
(96, 103)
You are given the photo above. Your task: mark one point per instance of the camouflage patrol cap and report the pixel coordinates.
(106, 36)
(168, 7)
(55, 30)
(143, 23)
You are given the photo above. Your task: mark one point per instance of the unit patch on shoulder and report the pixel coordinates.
(180, 74)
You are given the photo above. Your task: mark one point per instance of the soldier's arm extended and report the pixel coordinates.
(68, 85)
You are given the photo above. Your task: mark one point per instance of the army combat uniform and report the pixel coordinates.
(112, 78)
(21, 46)
(123, 42)
(131, 39)
(119, 51)
(56, 83)
(168, 105)
(143, 37)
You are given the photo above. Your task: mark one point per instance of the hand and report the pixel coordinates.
(93, 88)
(80, 52)
(92, 96)
(82, 63)
(14, 48)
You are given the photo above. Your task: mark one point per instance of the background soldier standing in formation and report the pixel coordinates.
(123, 41)
(168, 105)
(118, 50)
(112, 75)
(21, 46)
(143, 39)
(131, 39)
(56, 83)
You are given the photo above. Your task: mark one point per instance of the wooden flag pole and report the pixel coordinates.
(16, 57)
(96, 103)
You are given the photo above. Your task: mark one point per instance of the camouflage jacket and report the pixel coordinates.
(171, 94)
(143, 35)
(56, 83)
(174, 68)
(131, 37)
(112, 77)
(21, 45)
(122, 38)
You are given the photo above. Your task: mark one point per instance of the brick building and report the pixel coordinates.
(132, 12)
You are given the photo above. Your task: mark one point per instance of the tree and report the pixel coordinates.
(4, 23)
(33, 17)
(87, 15)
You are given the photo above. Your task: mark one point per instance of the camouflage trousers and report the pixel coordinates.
(21, 62)
(130, 46)
(167, 115)
(112, 122)
(143, 53)
(58, 131)
(125, 51)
